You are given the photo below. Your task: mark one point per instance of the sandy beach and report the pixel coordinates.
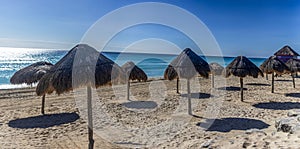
(221, 121)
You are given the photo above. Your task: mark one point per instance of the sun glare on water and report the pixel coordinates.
(14, 59)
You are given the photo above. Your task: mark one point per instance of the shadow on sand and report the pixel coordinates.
(228, 124)
(258, 84)
(44, 121)
(231, 88)
(297, 95)
(281, 80)
(278, 105)
(140, 104)
(296, 76)
(198, 95)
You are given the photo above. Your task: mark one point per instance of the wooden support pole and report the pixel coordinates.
(90, 117)
(242, 89)
(293, 76)
(212, 80)
(189, 98)
(43, 104)
(128, 88)
(272, 82)
(177, 85)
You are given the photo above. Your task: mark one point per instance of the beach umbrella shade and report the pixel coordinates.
(215, 69)
(133, 72)
(294, 67)
(273, 65)
(32, 74)
(187, 65)
(241, 67)
(92, 69)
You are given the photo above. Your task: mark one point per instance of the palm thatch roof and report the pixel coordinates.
(286, 50)
(31, 74)
(273, 64)
(89, 67)
(293, 65)
(241, 67)
(187, 65)
(133, 72)
(216, 68)
(170, 73)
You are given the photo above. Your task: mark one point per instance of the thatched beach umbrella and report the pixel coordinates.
(273, 65)
(133, 72)
(215, 69)
(241, 67)
(90, 68)
(187, 65)
(170, 73)
(32, 74)
(294, 67)
(286, 53)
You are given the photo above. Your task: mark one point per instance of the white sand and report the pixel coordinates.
(158, 122)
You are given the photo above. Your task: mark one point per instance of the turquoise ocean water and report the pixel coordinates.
(13, 59)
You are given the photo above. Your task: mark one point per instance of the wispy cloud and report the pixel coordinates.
(20, 43)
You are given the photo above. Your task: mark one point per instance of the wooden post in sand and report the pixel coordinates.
(272, 82)
(212, 80)
(267, 77)
(242, 89)
(128, 86)
(43, 104)
(177, 85)
(90, 117)
(189, 98)
(294, 85)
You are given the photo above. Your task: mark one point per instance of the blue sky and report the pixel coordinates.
(241, 27)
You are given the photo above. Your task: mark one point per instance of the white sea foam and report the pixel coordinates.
(13, 86)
